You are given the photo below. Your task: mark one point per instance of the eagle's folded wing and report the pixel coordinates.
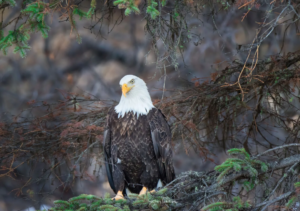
(161, 138)
(107, 155)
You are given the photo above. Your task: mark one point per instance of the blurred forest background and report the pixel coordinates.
(207, 38)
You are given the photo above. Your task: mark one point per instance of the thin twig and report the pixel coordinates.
(268, 203)
(275, 148)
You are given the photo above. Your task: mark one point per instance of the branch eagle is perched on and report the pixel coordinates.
(137, 142)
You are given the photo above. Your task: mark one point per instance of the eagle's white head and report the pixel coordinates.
(135, 97)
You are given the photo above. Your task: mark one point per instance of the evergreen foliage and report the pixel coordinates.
(291, 202)
(92, 9)
(128, 5)
(295, 197)
(297, 185)
(237, 164)
(10, 2)
(151, 9)
(36, 13)
(84, 202)
(20, 37)
(80, 13)
(236, 205)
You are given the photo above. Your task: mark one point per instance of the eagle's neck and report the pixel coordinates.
(138, 101)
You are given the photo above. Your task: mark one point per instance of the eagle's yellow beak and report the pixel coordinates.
(126, 89)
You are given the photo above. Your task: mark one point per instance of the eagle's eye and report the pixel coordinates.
(132, 81)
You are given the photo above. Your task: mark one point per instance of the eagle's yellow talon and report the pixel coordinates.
(143, 191)
(119, 196)
(153, 191)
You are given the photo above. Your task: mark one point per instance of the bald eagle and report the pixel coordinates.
(137, 151)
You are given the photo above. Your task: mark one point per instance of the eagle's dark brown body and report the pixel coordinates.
(137, 151)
